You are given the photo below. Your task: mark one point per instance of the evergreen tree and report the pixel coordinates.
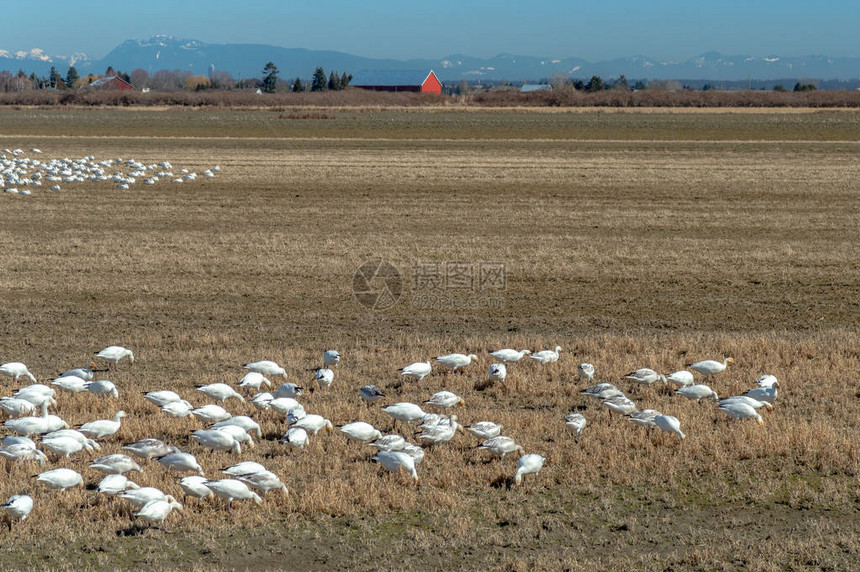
(72, 77)
(270, 78)
(594, 84)
(54, 78)
(333, 81)
(319, 82)
(298, 86)
(109, 72)
(344, 80)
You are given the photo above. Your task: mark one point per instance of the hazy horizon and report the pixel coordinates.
(666, 30)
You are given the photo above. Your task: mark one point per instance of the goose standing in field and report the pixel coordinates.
(404, 411)
(456, 361)
(180, 462)
(264, 481)
(64, 446)
(244, 468)
(710, 367)
(697, 392)
(331, 358)
(35, 394)
(739, 410)
(102, 427)
(242, 421)
(501, 446)
(232, 489)
(645, 376)
(418, 370)
(546, 356)
(389, 443)
(313, 424)
(445, 400)
(102, 388)
(669, 424)
(530, 464)
(396, 461)
(509, 355)
(220, 391)
(139, 497)
(85, 373)
(116, 464)
(645, 418)
(764, 393)
(18, 507)
(211, 413)
(754, 403)
(162, 398)
(254, 380)
(441, 432)
(284, 405)
(575, 423)
(113, 354)
(27, 426)
(681, 377)
(15, 370)
(498, 372)
(585, 372)
(71, 384)
(361, 431)
(602, 391)
(266, 367)
(218, 440)
(148, 448)
(288, 390)
(324, 377)
(484, 430)
(238, 433)
(115, 484)
(767, 381)
(370, 393)
(194, 486)
(620, 404)
(60, 479)
(156, 511)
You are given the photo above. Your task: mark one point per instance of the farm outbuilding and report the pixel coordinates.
(418, 81)
(109, 83)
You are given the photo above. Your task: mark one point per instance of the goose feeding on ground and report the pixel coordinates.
(64, 446)
(267, 368)
(585, 371)
(15, 370)
(313, 424)
(194, 486)
(36, 393)
(102, 388)
(681, 377)
(148, 448)
(284, 405)
(243, 421)
(620, 404)
(116, 464)
(768, 381)
(697, 392)
(115, 484)
(180, 462)
(739, 410)
(754, 403)
(18, 507)
(404, 411)
(360, 431)
(27, 426)
(414, 451)
(113, 354)
(102, 427)
(418, 370)
(445, 399)
(669, 424)
(178, 408)
(456, 361)
(23, 453)
(156, 511)
(530, 464)
(264, 481)
(324, 377)
(710, 367)
(500, 445)
(645, 376)
(510, 356)
(288, 390)
(254, 380)
(296, 437)
(244, 468)
(85, 373)
(232, 489)
(162, 398)
(261, 401)
(396, 461)
(17, 440)
(140, 496)
(645, 418)
(14, 407)
(220, 391)
(763, 394)
(218, 440)
(370, 393)
(575, 423)
(484, 429)
(331, 358)
(71, 384)
(603, 391)
(546, 356)
(440, 433)
(238, 433)
(498, 372)
(389, 443)
(60, 479)
(211, 413)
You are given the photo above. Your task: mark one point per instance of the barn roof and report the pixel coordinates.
(103, 81)
(527, 88)
(390, 77)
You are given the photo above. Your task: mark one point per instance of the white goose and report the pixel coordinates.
(220, 391)
(405, 411)
(418, 370)
(103, 427)
(754, 403)
(710, 367)
(23, 453)
(16, 369)
(585, 371)
(264, 481)
(64, 446)
(370, 393)
(102, 388)
(71, 384)
(254, 380)
(546, 356)
(331, 358)
(669, 424)
(148, 448)
(296, 437)
(18, 507)
(681, 377)
(232, 489)
(575, 423)
(445, 400)
(288, 390)
(697, 392)
(498, 372)
(266, 367)
(391, 442)
(194, 486)
(178, 409)
(456, 361)
(500, 445)
(162, 398)
(738, 410)
(114, 354)
(530, 464)
(116, 464)
(645, 376)
(60, 479)
(218, 440)
(14, 407)
(360, 431)
(140, 496)
(156, 511)
(324, 377)
(620, 404)
(764, 393)
(768, 381)
(115, 484)
(510, 356)
(180, 462)
(396, 461)
(313, 424)
(211, 413)
(27, 426)
(602, 391)
(645, 418)
(484, 429)
(243, 421)
(244, 468)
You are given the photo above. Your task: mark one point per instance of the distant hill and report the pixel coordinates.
(247, 60)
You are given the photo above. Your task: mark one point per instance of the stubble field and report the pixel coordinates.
(647, 239)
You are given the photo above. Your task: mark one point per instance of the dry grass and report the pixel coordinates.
(683, 242)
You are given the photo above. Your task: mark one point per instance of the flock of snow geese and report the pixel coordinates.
(20, 173)
(230, 433)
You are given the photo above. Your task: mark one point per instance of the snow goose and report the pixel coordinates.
(484, 429)
(509, 356)
(16, 369)
(414, 451)
(389, 443)
(266, 367)
(156, 511)
(296, 437)
(27, 426)
(500, 445)
(324, 377)
(697, 392)
(14, 407)
(313, 424)
(254, 380)
(17, 440)
(620, 404)
(370, 393)
(739, 410)
(211, 413)
(681, 377)
(85, 373)
(261, 401)
(64, 446)
(116, 464)
(243, 421)
(456, 361)
(60, 479)
(113, 354)
(88, 443)
(216, 439)
(530, 464)
(768, 381)
(35, 394)
(115, 484)
(397, 461)
(763, 394)
(102, 388)
(194, 486)
(264, 481)
(360, 431)
(546, 356)
(418, 370)
(645, 418)
(669, 424)
(645, 376)
(220, 391)
(331, 358)
(710, 367)
(284, 405)
(754, 403)
(288, 390)
(238, 433)
(575, 423)
(23, 453)
(440, 433)
(18, 507)
(140, 496)
(602, 391)
(162, 398)
(404, 411)
(585, 372)
(178, 408)
(244, 468)
(445, 400)
(71, 384)
(498, 372)
(180, 462)
(102, 427)
(148, 448)
(232, 489)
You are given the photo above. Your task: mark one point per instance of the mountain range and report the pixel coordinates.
(247, 60)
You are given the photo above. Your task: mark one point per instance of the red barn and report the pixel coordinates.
(418, 81)
(115, 82)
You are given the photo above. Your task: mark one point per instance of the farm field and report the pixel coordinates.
(631, 239)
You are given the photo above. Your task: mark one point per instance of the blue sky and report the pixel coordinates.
(672, 30)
